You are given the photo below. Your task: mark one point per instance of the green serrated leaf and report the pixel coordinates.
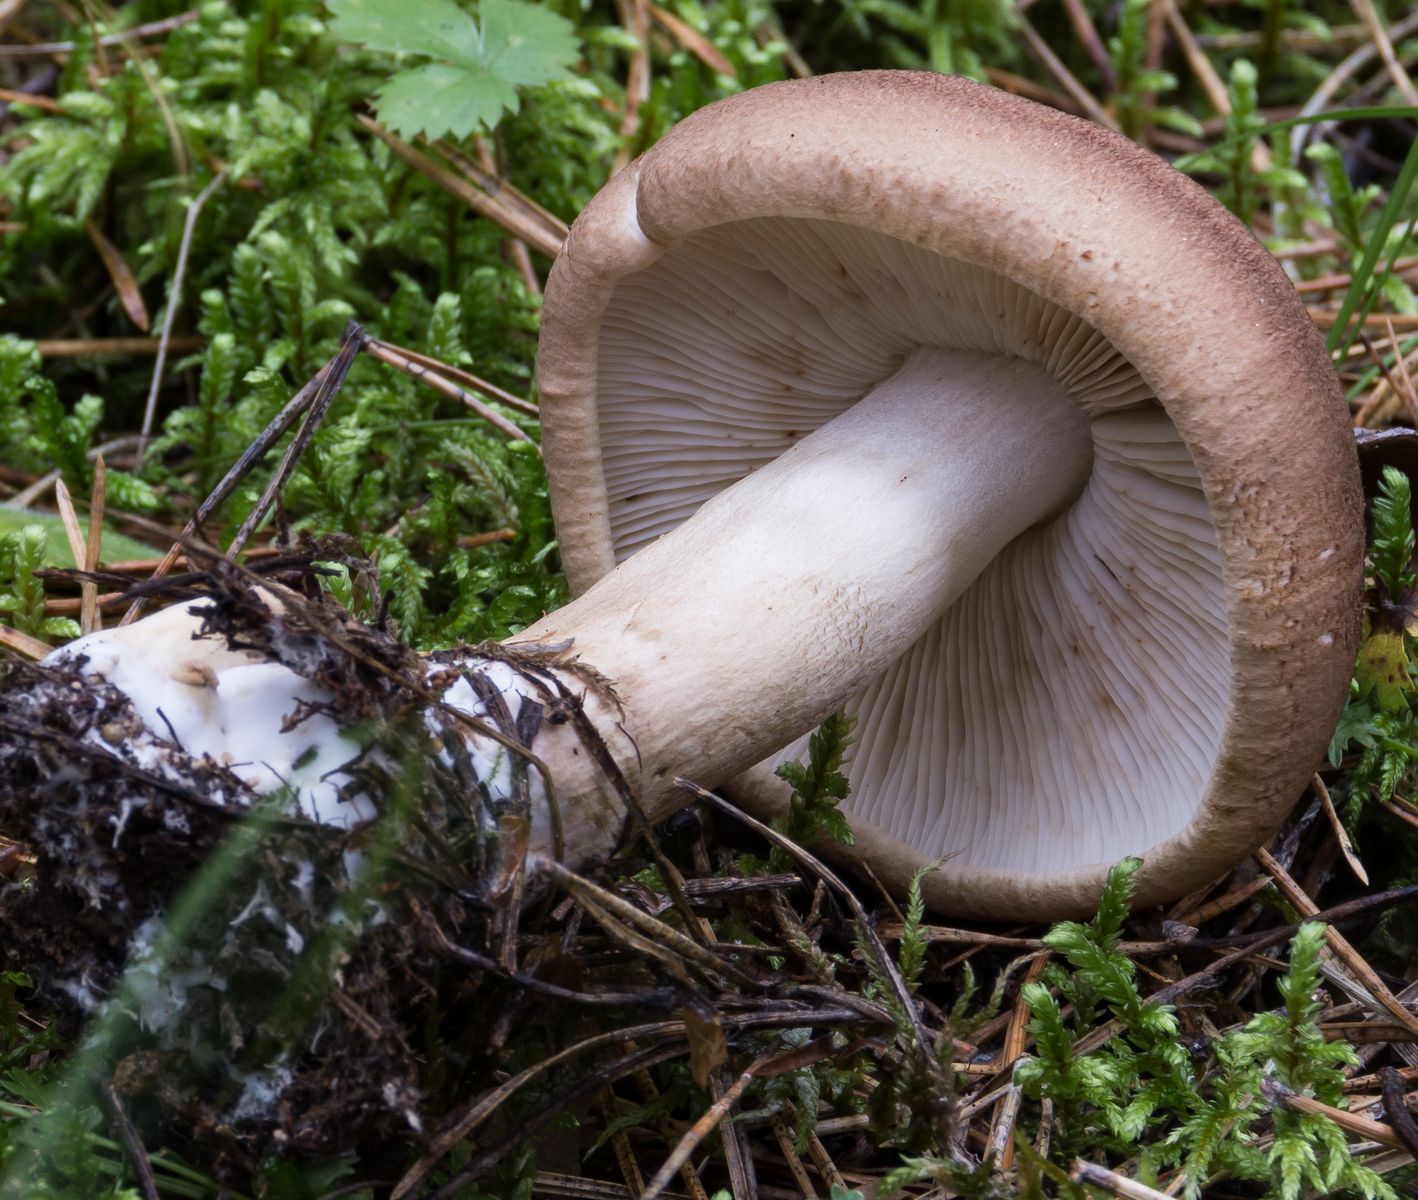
(440, 100)
(479, 67)
(525, 44)
(438, 28)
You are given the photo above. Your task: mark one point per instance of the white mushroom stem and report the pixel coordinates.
(724, 640)
(787, 592)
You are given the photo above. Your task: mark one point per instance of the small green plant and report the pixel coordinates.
(1384, 670)
(1108, 1097)
(1310, 1150)
(911, 954)
(959, 1180)
(40, 432)
(1245, 183)
(1138, 83)
(22, 553)
(478, 64)
(1380, 719)
(1144, 1087)
(819, 787)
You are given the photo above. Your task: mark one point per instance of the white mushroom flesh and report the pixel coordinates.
(1067, 709)
(264, 722)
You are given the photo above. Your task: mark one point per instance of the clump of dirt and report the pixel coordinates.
(251, 977)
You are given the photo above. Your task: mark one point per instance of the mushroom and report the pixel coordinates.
(947, 271)
(890, 390)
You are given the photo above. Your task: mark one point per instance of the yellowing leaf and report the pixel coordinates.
(1383, 669)
(708, 1047)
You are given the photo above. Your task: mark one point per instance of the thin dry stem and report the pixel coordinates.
(1374, 24)
(1338, 943)
(174, 302)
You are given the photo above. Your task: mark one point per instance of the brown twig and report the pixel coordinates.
(145, 566)
(1343, 71)
(920, 1042)
(1364, 1127)
(1092, 43)
(73, 533)
(472, 541)
(1206, 75)
(1341, 835)
(43, 103)
(1341, 280)
(1402, 813)
(1384, 44)
(120, 275)
(1400, 1120)
(22, 644)
(1016, 1032)
(1408, 392)
(486, 178)
(276, 429)
(88, 592)
(1224, 903)
(634, 15)
(9, 10)
(332, 378)
(1405, 322)
(1254, 944)
(515, 248)
(1119, 1185)
(1359, 1083)
(626, 922)
(152, 29)
(511, 217)
(697, 44)
(448, 370)
(74, 606)
(1052, 63)
(784, 1137)
(655, 1035)
(1338, 943)
(703, 1127)
(769, 36)
(114, 347)
(822, 1160)
(400, 361)
(131, 1142)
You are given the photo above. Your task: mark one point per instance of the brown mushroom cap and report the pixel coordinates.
(1155, 671)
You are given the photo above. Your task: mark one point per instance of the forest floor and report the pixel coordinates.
(194, 206)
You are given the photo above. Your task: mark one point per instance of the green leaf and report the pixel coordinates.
(114, 547)
(478, 68)
(1355, 726)
(440, 100)
(438, 28)
(525, 44)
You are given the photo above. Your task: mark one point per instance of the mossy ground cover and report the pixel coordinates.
(196, 203)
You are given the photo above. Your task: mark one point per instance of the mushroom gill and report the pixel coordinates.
(1068, 708)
